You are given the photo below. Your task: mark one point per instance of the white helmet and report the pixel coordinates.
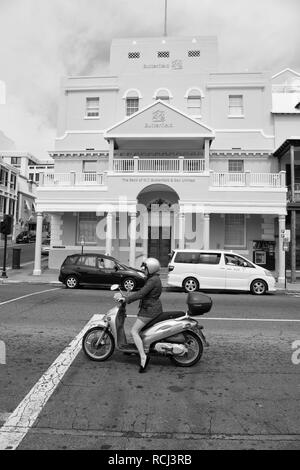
(152, 264)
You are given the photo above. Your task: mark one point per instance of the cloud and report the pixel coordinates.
(43, 40)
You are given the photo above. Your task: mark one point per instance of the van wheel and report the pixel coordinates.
(258, 287)
(190, 284)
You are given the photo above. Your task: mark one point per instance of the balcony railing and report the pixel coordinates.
(72, 179)
(195, 166)
(159, 165)
(269, 180)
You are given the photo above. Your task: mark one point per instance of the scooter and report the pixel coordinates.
(175, 334)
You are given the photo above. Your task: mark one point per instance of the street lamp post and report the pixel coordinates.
(82, 244)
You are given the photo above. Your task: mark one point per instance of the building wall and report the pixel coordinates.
(148, 74)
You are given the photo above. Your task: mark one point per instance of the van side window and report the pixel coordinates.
(187, 257)
(233, 260)
(210, 258)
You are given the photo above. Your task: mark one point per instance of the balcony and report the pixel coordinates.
(158, 165)
(261, 180)
(71, 179)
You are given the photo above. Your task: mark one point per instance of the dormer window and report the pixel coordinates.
(163, 94)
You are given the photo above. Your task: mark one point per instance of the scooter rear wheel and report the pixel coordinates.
(104, 349)
(195, 351)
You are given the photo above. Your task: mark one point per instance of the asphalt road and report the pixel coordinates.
(243, 394)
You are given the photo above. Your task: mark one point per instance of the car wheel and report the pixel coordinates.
(258, 287)
(190, 284)
(71, 282)
(129, 284)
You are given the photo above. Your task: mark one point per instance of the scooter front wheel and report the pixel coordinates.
(98, 344)
(195, 350)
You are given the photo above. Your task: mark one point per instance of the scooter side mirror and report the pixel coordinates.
(115, 287)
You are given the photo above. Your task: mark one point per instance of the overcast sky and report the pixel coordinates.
(43, 40)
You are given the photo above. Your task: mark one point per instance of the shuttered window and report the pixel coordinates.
(236, 105)
(235, 230)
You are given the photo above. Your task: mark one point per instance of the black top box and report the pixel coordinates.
(198, 303)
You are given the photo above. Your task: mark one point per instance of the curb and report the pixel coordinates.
(58, 283)
(9, 281)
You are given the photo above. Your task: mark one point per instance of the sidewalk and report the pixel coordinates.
(50, 276)
(24, 274)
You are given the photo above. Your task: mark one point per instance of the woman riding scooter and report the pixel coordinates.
(150, 306)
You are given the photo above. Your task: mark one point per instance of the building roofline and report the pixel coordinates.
(282, 149)
(285, 70)
(151, 105)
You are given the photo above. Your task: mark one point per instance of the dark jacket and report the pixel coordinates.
(150, 306)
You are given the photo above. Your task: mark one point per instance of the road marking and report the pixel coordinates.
(252, 319)
(28, 295)
(240, 319)
(24, 416)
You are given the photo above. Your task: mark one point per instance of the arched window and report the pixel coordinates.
(194, 98)
(163, 94)
(132, 100)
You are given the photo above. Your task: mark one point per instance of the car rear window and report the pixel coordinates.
(209, 258)
(187, 257)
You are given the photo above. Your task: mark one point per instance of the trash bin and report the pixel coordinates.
(16, 256)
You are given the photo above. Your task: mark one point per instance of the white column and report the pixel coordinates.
(108, 246)
(281, 252)
(173, 230)
(181, 230)
(38, 245)
(206, 154)
(132, 239)
(111, 155)
(206, 231)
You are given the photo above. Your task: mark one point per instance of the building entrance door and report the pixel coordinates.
(159, 244)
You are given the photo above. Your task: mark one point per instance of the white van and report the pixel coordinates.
(217, 269)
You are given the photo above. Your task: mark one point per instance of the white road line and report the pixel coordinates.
(252, 319)
(24, 416)
(241, 319)
(28, 295)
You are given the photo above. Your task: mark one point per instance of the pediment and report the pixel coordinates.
(159, 120)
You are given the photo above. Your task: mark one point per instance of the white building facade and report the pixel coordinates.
(28, 170)
(165, 152)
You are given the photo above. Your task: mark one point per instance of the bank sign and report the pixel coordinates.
(174, 65)
(159, 119)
